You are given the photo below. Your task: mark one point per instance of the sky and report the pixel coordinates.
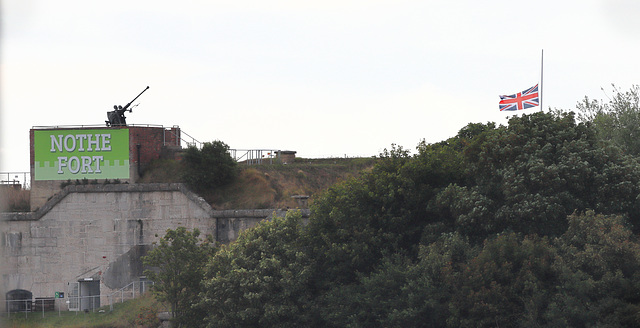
(331, 78)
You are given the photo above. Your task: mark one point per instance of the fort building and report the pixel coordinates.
(90, 223)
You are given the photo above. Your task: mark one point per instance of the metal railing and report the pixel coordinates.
(49, 127)
(21, 179)
(193, 142)
(183, 139)
(28, 306)
(81, 304)
(254, 156)
(128, 292)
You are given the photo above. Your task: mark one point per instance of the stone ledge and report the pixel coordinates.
(140, 187)
(256, 213)
(17, 216)
(148, 187)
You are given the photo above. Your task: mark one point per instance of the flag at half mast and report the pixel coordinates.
(521, 100)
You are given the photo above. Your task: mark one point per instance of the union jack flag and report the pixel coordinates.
(521, 100)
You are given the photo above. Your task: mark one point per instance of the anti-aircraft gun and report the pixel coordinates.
(116, 116)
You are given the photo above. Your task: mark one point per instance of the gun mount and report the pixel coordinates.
(116, 116)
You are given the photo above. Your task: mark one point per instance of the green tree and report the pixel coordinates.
(529, 176)
(209, 167)
(526, 177)
(617, 120)
(383, 212)
(179, 262)
(260, 280)
(588, 277)
(599, 274)
(401, 292)
(471, 231)
(508, 284)
(369, 301)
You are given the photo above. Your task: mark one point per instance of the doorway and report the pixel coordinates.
(89, 294)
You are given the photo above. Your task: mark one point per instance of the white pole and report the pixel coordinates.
(541, 77)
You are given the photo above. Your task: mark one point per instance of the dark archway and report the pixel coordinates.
(19, 300)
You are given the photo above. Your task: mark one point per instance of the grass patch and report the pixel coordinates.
(252, 189)
(162, 171)
(273, 185)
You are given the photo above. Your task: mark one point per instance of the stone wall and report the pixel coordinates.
(100, 232)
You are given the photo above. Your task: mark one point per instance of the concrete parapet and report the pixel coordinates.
(256, 213)
(231, 222)
(17, 216)
(106, 188)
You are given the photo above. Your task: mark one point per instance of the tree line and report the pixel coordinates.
(532, 224)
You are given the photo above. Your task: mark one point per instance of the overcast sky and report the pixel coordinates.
(328, 78)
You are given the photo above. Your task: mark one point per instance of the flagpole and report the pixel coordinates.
(541, 78)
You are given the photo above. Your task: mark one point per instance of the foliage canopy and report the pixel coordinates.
(617, 120)
(209, 167)
(530, 224)
(179, 261)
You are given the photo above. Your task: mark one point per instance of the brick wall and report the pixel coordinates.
(145, 144)
(172, 136)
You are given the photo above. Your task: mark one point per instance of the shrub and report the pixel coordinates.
(209, 167)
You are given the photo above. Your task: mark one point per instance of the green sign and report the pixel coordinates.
(78, 154)
(59, 294)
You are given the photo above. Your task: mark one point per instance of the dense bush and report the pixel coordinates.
(524, 225)
(209, 167)
(177, 265)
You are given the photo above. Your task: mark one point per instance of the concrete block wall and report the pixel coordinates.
(100, 232)
(231, 222)
(90, 232)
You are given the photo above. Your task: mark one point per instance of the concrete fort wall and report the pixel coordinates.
(100, 232)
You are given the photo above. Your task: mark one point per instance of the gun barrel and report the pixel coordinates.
(134, 99)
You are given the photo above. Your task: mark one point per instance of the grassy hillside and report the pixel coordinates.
(270, 185)
(257, 186)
